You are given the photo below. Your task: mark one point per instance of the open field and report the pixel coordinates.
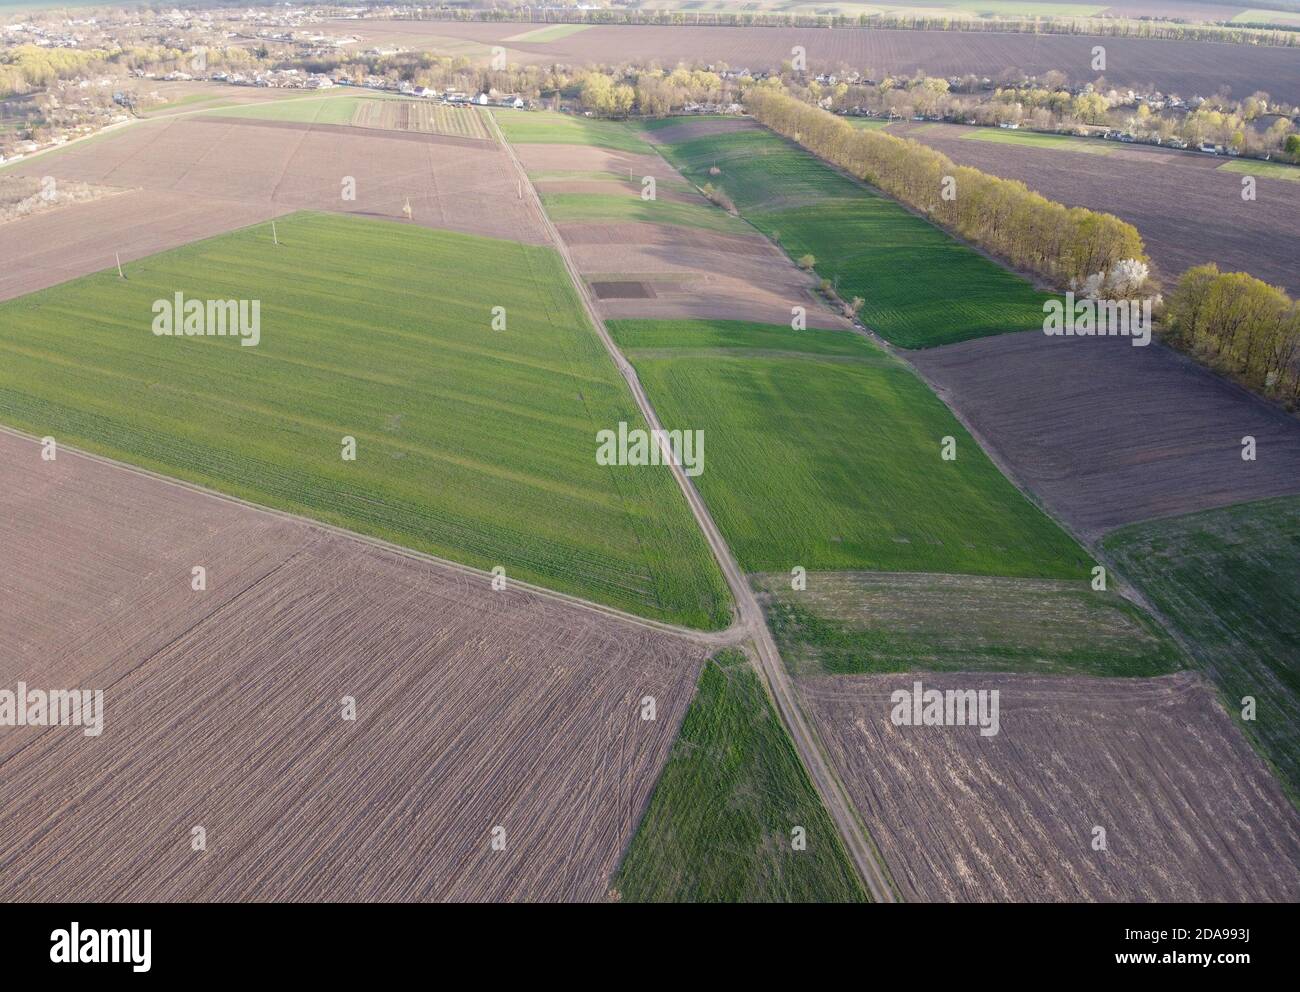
(833, 461)
(472, 443)
(672, 257)
(1190, 812)
(1184, 67)
(862, 242)
(1229, 580)
(875, 622)
(522, 127)
(1109, 434)
(188, 183)
(1187, 206)
(223, 709)
(719, 825)
(1033, 139)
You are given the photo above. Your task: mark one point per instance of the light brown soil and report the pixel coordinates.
(201, 175)
(1107, 433)
(475, 709)
(1190, 812)
(589, 158)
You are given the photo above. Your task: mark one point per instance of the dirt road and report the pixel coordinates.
(854, 835)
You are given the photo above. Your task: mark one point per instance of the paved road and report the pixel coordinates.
(770, 667)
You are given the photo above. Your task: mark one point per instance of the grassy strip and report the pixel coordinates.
(1269, 170)
(719, 825)
(625, 206)
(472, 443)
(858, 622)
(1035, 139)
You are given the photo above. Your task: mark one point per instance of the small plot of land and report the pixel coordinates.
(1190, 812)
(427, 118)
(472, 443)
(1187, 206)
(868, 622)
(1229, 580)
(617, 206)
(1107, 434)
(919, 286)
(223, 708)
(833, 461)
(720, 826)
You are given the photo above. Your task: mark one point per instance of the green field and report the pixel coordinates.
(920, 286)
(473, 444)
(873, 622)
(719, 824)
(1229, 580)
(626, 206)
(336, 109)
(552, 33)
(523, 127)
(1269, 170)
(1038, 139)
(824, 453)
(868, 123)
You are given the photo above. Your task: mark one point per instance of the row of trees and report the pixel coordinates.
(1064, 245)
(1240, 326)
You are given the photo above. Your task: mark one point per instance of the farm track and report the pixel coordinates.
(751, 620)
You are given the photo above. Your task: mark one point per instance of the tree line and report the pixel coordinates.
(1064, 245)
(1239, 326)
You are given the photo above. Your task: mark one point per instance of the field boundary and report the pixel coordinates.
(723, 638)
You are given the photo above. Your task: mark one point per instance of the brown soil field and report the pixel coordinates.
(1106, 433)
(1183, 67)
(1190, 812)
(690, 272)
(57, 245)
(1187, 211)
(222, 709)
(696, 273)
(202, 175)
